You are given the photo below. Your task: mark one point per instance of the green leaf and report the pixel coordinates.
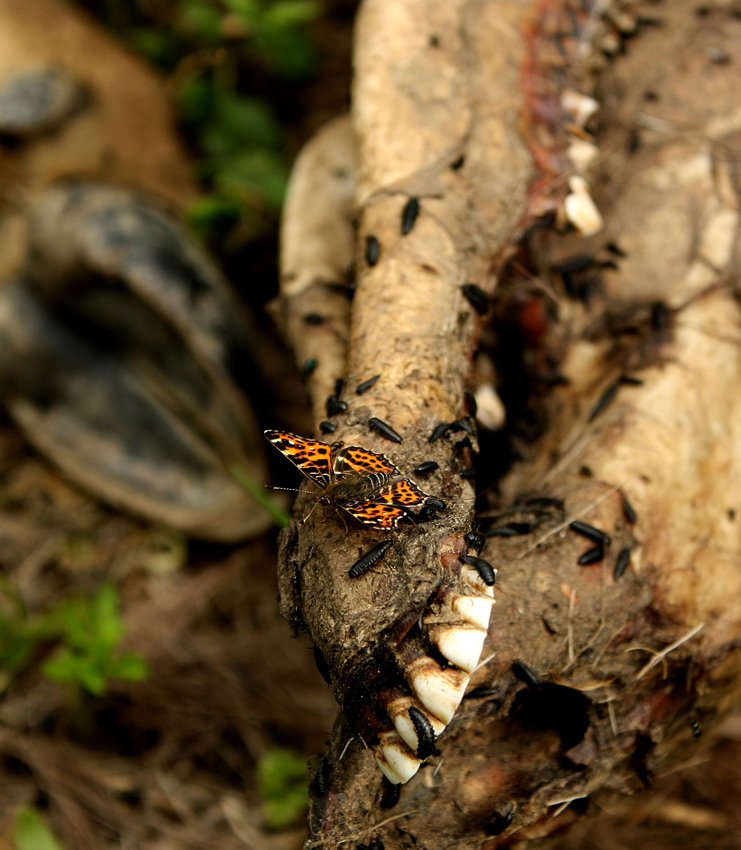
(129, 666)
(202, 18)
(30, 832)
(281, 781)
(248, 10)
(106, 624)
(289, 13)
(254, 173)
(214, 213)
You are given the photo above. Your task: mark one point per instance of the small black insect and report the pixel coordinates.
(592, 556)
(629, 512)
(441, 429)
(339, 385)
(659, 316)
(384, 429)
(426, 467)
(320, 780)
(471, 404)
(577, 263)
(483, 568)
(502, 531)
(409, 215)
(621, 565)
(596, 535)
(475, 540)
(321, 665)
(458, 163)
(391, 794)
(604, 401)
(327, 427)
(335, 406)
(469, 472)
(371, 557)
(462, 425)
(308, 368)
(372, 250)
(499, 824)
(461, 445)
(366, 385)
(696, 730)
(425, 733)
(435, 504)
(481, 692)
(541, 502)
(630, 381)
(476, 297)
(510, 529)
(554, 379)
(526, 675)
(314, 319)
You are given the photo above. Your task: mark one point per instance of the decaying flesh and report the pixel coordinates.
(621, 668)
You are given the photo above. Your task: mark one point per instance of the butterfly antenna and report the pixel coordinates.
(303, 521)
(290, 489)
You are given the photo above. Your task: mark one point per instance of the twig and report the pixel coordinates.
(664, 652)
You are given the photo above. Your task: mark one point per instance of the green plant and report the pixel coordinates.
(20, 634)
(90, 630)
(228, 62)
(30, 832)
(281, 781)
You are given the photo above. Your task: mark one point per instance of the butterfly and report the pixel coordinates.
(363, 483)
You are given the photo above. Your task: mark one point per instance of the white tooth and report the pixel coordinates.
(439, 691)
(405, 728)
(462, 647)
(582, 153)
(399, 757)
(490, 410)
(475, 580)
(580, 209)
(400, 707)
(384, 767)
(580, 107)
(475, 609)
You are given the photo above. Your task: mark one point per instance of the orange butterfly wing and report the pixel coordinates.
(312, 457)
(363, 461)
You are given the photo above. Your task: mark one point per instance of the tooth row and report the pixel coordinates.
(438, 691)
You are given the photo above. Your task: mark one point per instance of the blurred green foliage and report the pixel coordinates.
(87, 632)
(281, 781)
(30, 832)
(224, 59)
(90, 631)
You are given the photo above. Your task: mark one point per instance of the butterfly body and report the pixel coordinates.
(364, 483)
